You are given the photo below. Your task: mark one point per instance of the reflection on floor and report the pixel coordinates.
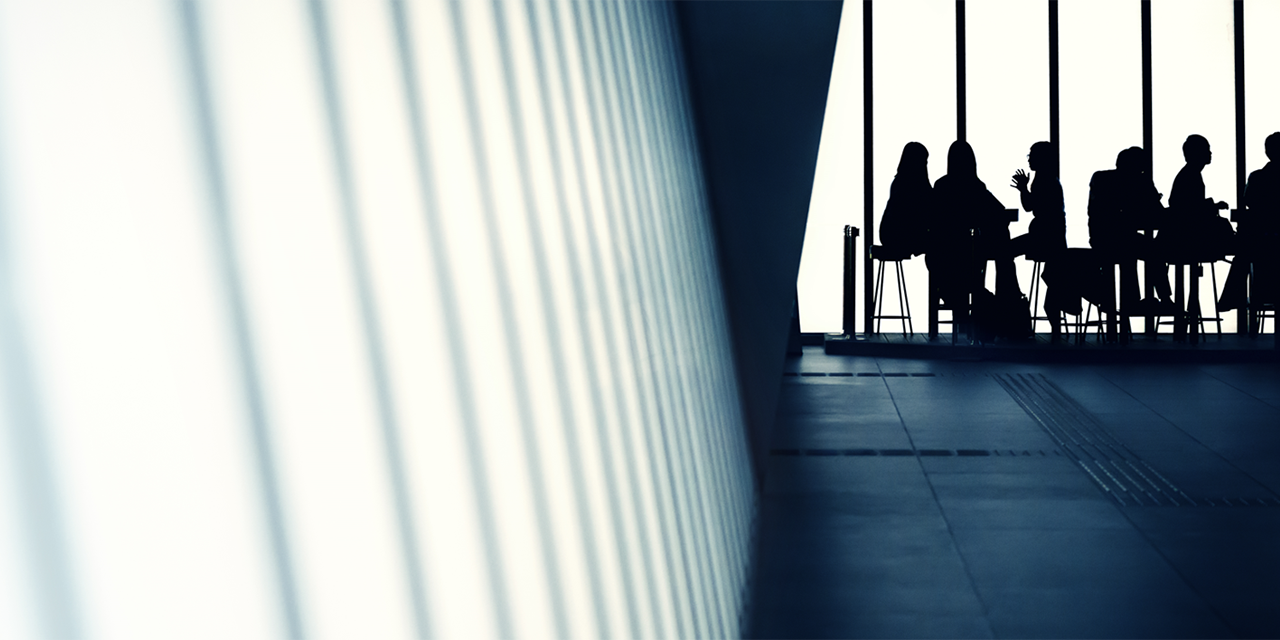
(1088, 347)
(915, 498)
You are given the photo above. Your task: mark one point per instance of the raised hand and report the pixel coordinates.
(1020, 180)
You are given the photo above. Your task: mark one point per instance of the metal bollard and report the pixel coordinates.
(850, 280)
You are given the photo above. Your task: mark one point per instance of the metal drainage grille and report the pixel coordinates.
(864, 374)
(923, 453)
(1117, 470)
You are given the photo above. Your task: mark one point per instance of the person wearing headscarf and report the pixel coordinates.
(966, 224)
(904, 226)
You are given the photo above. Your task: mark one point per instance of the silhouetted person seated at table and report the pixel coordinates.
(1258, 238)
(967, 225)
(1194, 231)
(1047, 234)
(904, 226)
(1122, 202)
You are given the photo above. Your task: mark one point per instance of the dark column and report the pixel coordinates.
(850, 317)
(1242, 315)
(1240, 140)
(960, 64)
(1053, 79)
(868, 171)
(1147, 136)
(757, 75)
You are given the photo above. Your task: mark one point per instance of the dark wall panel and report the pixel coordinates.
(758, 74)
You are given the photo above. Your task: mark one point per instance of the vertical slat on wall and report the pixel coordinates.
(475, 359)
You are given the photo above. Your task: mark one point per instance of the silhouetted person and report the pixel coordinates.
(1046, 237)
(1262, 195)
(1259, 236)
(904, 226)
(966, 222)
(1122, 202)
(1196, 232)
(1047, 234)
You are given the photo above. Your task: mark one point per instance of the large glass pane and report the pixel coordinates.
(1007, 79)
(837, 184)
(1193, 92)
(1007, 83)
(1262, 67)
(915, 100)
(1100, 104)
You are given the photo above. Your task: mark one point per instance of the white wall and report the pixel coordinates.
(359, 319)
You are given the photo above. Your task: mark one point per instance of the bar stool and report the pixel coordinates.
(1257, 313)
(895, 256)
(1083, 323)
(1260, 315)
(1217, 317)
(1036, 271)
(936, 304)
(1189, 320)
(1115, 319)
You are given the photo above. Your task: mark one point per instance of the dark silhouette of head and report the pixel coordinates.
(915, 162)
(1132, 160)
(1042, 159)
(1273, 147)
(961, 163)
(1196, 150)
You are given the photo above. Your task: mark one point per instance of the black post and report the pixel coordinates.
(1053, 80)
(1147, 136)
(1242, 314)
(868, 176)
(961, 98)
(851, 280)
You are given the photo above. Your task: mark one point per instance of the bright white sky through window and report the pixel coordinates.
(1007, 84)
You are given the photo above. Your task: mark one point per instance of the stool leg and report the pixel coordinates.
(879, 295)
(1035, 296)
(906, 300)
(1082, 324)
(897, 283)
(931, 313)
(1217, 316)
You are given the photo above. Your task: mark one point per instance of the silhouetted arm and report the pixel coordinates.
(1020, 181)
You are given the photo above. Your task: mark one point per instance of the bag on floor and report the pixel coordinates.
(1007, 317)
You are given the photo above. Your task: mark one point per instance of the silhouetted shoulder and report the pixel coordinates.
(1187, 190)
(1262, 191)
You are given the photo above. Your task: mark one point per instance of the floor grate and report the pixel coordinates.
(1115, 468)
(923, 453)
(862, 374)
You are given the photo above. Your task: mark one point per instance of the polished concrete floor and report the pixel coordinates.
(916, 498)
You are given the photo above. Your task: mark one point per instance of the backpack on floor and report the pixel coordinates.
(1007, 317)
